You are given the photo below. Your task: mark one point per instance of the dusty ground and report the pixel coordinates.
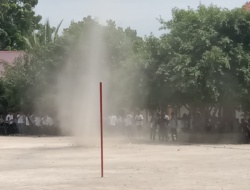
(45, 163)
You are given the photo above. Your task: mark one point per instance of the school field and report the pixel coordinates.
(61, 163)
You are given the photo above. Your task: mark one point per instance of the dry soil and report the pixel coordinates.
(59, 163)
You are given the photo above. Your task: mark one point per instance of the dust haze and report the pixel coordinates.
(78, 96)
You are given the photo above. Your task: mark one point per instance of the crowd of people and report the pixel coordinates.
(160, 124)
(26, 124)
(163, 127)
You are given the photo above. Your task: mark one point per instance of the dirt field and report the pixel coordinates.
(46, 163)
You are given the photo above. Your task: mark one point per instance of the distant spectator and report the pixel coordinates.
(2, 125)
(48, 123)
(38, 121)
(163, 124)
(1, 120)
(112, 120)
(139, 123)
(185, 126)
(166, 127)
(9, 120)
(244, 131)
(128, 125)
(21, 123)
(27, 124)
(153, 126)
(38, 124)
(173, 126)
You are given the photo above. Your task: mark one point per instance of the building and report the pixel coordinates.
(247, 6)
(8, 57)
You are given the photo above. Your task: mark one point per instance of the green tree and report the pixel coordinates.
(17, 20)
(33, 79)
(208, 57)
(44, 36)
(121, 58)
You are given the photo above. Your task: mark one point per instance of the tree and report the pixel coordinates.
(119, 55)
(208, 57)
(17, 20)
(33, 78)
(44, 36)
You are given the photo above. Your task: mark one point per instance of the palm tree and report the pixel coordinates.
(46, 35)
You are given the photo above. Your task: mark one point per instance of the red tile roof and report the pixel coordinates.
(247, 6)
(9, 57)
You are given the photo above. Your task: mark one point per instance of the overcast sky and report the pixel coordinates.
(138, 14)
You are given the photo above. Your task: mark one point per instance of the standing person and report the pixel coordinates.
(128, 124)
(38, 124)
(27, 124)
(15, 128)
(44, 124)
(119, 124)
(139, 123)
(166, 127)
(163, 127)
(32, 125)
(191, 121)
(20, 123)
(173, 126)
(185, 122)
(244, 131)
(9, 120)
(2, 125)
(113, 123)
(153, 127)
(50, 123)
(248, 131)
(161, 122)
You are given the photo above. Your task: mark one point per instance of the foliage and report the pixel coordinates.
(17, 20)
(44, 36)
(121, 59)
(32, 78)
(201, 61)
(209, 53)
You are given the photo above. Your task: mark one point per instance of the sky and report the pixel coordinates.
(140, 15)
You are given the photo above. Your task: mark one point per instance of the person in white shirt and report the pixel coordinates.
(48, 123)
(9, 120)
(166, 120)
(38, 121)
(21, 123)
(44, 121)
(139, 124)
(113, 120)
(128, 125)
(163, 126)
(27, 124)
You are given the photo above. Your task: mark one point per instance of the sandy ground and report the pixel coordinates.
(57, 163)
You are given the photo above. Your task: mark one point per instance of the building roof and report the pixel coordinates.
(247, 6)
(8, 57)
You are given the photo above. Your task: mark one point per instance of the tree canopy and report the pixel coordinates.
(202, 60)
(17, 20)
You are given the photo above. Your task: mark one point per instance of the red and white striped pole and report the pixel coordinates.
(101, 128)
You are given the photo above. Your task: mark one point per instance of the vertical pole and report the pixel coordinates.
(101, 128)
